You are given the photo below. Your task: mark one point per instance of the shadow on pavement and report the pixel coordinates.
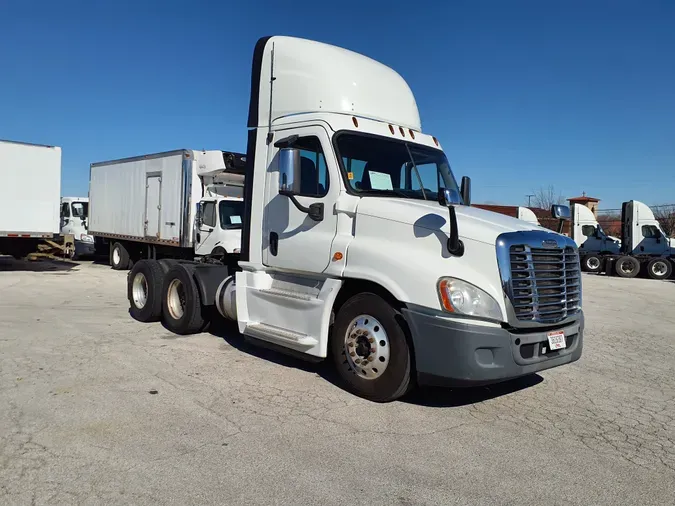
(435, 397)
(9, 264)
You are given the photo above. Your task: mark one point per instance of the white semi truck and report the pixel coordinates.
(74, 221)
(594, 244)
(359, 245)
(179, 204)
(29, 196)
(644, 245)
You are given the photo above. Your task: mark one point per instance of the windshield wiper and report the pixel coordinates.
(417, 172)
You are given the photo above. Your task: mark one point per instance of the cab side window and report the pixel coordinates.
(588, 230)
(313, 170)
(650, 232)
(209, 214)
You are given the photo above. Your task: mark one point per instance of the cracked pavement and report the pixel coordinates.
(96, 408)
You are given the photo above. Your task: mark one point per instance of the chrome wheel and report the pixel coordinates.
(659, 269)
(366, 347)
(593, 263)
(176, 299)
(117, 257)
(139, 290)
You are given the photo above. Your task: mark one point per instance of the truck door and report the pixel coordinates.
(153, 207)
(206, 237)
(291, 239)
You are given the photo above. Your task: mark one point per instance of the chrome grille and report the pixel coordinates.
(546, 283)
(543, 284)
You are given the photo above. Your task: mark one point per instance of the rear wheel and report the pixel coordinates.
(659, 268)
(181, 302)
(370, 349)
(592, 263)
(144, 291)
(627, 267)
(119, 257)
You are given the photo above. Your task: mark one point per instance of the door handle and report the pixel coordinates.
(274, 243)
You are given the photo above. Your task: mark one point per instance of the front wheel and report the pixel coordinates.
(370, 349)
(592, 263)
(659, 268)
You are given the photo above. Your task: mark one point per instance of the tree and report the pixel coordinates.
(665, 215)
(544, 198)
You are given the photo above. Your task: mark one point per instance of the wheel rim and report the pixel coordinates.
(366, 347)
(659, 268)
(627, 267)
(593, 263)
(176, 299)
(116, 256)
(139, 290)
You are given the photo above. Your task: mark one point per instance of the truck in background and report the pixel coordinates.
(518, 212)
(75, 222)
(179, 204)
(594, 244)
(359, 245)
(29, 196)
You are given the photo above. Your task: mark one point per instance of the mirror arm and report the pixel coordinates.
(455, 245)
(315, 211)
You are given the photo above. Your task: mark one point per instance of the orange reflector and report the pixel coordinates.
(391, 129)
(412, 134)
(337, 256)
(435, 140)
(400, 129)
(356, 123)
(442, 289)
(187, 155)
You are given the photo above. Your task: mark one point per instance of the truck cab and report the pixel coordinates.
(526, 214)
(75, 222)
(642, 233)
(594, 244)
(359, 245)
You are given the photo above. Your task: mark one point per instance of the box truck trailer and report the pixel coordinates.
(358, 244)
(181, 204)
(29, 196)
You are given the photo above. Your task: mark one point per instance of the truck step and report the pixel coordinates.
(284, 336)
(287, 294)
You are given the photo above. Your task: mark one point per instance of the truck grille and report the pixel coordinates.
(545, 283)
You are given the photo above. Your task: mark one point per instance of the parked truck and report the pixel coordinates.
(520, 212)
(359, 245)
(75, 222)
(181, 204)
(29, 196)
(594, 244)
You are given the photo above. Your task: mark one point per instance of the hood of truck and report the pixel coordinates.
(473, 223)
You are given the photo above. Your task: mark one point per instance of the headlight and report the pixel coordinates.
(86, 238)
(460, 297)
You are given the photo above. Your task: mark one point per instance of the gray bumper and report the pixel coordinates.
(83, 249)
(458, 354)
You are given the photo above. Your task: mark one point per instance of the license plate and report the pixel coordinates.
(556, 340)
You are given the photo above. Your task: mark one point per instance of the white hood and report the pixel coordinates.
(473, 223)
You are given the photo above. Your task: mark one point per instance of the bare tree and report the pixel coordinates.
(665, 215)
(610, 221)
(544, 198)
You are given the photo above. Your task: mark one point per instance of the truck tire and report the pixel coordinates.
(144, 291)
(592, 263)
(659, 268)
(627, 266)
(167, 263)
(181, 302)
(370, 349)
(119, 257)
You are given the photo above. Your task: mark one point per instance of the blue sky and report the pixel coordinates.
(575, 94)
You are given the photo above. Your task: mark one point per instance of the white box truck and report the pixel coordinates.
(359, 245)
(30, 188)
(179, 204)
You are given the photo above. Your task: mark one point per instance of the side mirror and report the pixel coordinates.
(560, 212)
(466, 190)
(450, 198)
(289, 171)
(290, 180)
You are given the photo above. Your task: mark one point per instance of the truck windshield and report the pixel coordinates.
(80, 209)
(379, 166)
(230, 213)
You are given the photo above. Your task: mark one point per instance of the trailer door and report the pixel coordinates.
(153, 205)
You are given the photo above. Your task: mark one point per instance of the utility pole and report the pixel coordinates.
(529, 200)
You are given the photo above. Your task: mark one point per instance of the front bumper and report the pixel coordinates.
(451, 353)
(84, 249)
